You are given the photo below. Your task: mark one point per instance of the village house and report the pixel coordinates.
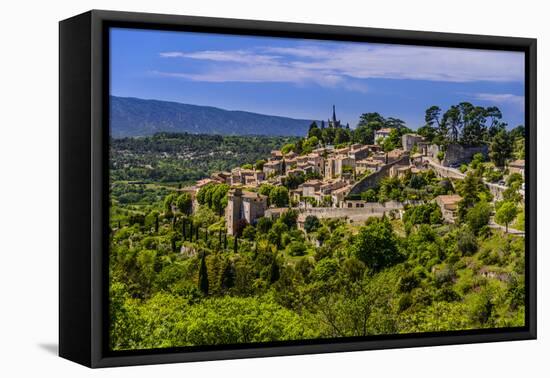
(334, 166)
(329, 186)
(276, 155)
(295, 172)
(381, 134)
(517, 166)
(291, 155)
(368, 164)
(204, 182)
(221, 177)
(291, 163)
(341, 151)
(310, 187)
(408, 141)
(449, 206)
(248, 177)
(400, 171)
(359, 152)
(243, 206)
(317, 161)
(274, 167)
(394, 155)
(338, 195)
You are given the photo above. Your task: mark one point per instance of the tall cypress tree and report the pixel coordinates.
(191, 231)
(203, 275)
(225, 241)
(183, 224)
(197, 233)
(274, 273)
(156, 223)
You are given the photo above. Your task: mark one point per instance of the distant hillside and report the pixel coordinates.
(137, 117)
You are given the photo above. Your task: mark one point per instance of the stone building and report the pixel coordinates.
(359, 152)
(310, 187)
(410, 140)
(517, 166)
(381, 134)
(449, 206)
(274, 167)
(241, 206)
(338, 195)
(334, 167)
(369, 164)
(400, 171)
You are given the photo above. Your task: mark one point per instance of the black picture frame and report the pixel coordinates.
(83, 181)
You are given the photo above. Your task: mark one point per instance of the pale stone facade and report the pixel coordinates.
(242, 205)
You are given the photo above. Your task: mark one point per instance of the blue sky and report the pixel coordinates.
(303, 78)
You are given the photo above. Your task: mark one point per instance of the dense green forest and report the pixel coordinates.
(185, 158)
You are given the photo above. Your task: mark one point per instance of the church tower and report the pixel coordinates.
(333, 122)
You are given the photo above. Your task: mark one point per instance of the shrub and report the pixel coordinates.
(311, 223)
(466, 241)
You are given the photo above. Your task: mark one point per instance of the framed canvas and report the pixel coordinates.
(234, 188)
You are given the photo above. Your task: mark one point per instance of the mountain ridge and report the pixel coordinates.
(132, 116)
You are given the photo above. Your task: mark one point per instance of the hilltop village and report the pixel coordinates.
(329, 181)
(371, 230)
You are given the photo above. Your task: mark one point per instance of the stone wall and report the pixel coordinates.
(457, 154)
(373, 179)
(355, 214)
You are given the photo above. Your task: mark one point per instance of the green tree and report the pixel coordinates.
(249, 232)
(506, 213)
(169, 202)
(296, 248)
(219, 198)
(466, 241)
(369, 196)
(274, 272)
(289, 218)
(259, 164)
(264, 225)
(342, 136)
(288, 147)
(184, 203)
(203, 275)
(501, 148)
(314, 131)
(471, 189)
(310, 144)
(311, 223)
(376, 245)
(278, 196)
(478, 216)
(477, 159)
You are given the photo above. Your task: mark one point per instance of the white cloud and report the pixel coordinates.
(235, 56)
(501, 99)
(348, 65)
